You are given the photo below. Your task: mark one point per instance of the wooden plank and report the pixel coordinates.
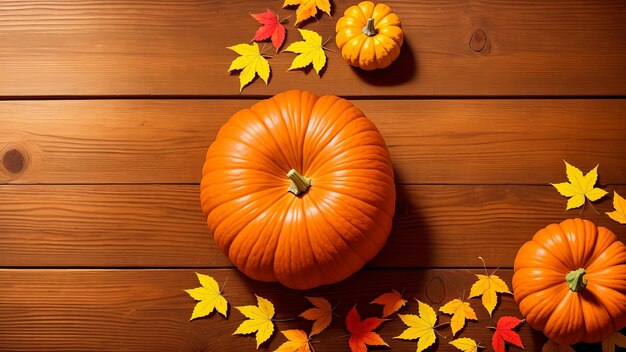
(453, 47)
(163, 226)
(431, 141)
(147, 310)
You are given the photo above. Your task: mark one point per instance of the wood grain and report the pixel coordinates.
(453, 47)
(162, 226)
(147, 310)
(431, 141)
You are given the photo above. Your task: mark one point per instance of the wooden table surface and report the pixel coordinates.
(107, 109)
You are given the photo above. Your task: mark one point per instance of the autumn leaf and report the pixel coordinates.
(308, 8)
(615, 339)
(488, 286)
(210, 297)
(552, 346)
(251, 63)
(460, 311)
(361, 331)
(271, 28)
(391, 302)
(259, 320)
(579, 187)
(311, 51)
(504, 333)
(466, 344)
(299, 341)
(421, 327)
(321, 315)
(619, 204)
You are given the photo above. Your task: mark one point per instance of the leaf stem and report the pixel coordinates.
(440, 325)
(332, 310)
(282, 320)
(495, 271)
(443, 337)
(263, 49)
(284, 19)
(224, 285)
(592, 207)
(484, 265)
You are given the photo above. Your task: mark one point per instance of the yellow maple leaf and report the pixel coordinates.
(310, 50)
(391, 302)
(579, 187)
(421, 327)
(308, 8)
(210, 297)
(466, 344)
(460, 311)
(259, 320)
(251, 62)
(619, 204)
(298, 342)
(552, 346)
(488, 286)
(322, 314)
(615, 339)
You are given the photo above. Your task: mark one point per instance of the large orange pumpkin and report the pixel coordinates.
(570, 282)
(299, 189)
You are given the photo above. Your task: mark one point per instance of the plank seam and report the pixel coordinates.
(351, 97)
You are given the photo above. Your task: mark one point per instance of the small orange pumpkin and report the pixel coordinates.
(570, 282)
(369, 36)
(299, 189)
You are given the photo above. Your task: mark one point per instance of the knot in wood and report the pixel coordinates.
(435, 290)
(13, 161)
(478, 41)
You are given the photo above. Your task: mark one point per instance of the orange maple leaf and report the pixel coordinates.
(308, 8)
(361, 333)
(391, 302)
(322, 314)
(298, 341)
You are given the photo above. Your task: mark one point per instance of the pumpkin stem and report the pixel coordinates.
(369, 29)
(299, 183)
(575, 280)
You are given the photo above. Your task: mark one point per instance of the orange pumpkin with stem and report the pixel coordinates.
(570, 282)
(369, 36)
(299, 189)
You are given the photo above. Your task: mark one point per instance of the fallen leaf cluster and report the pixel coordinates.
(252, 61)
(421, 327)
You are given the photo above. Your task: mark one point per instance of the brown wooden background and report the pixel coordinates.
(107, 109)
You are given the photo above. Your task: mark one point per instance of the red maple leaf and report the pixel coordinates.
(271, 27)
(504, 333)
(361, 331)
